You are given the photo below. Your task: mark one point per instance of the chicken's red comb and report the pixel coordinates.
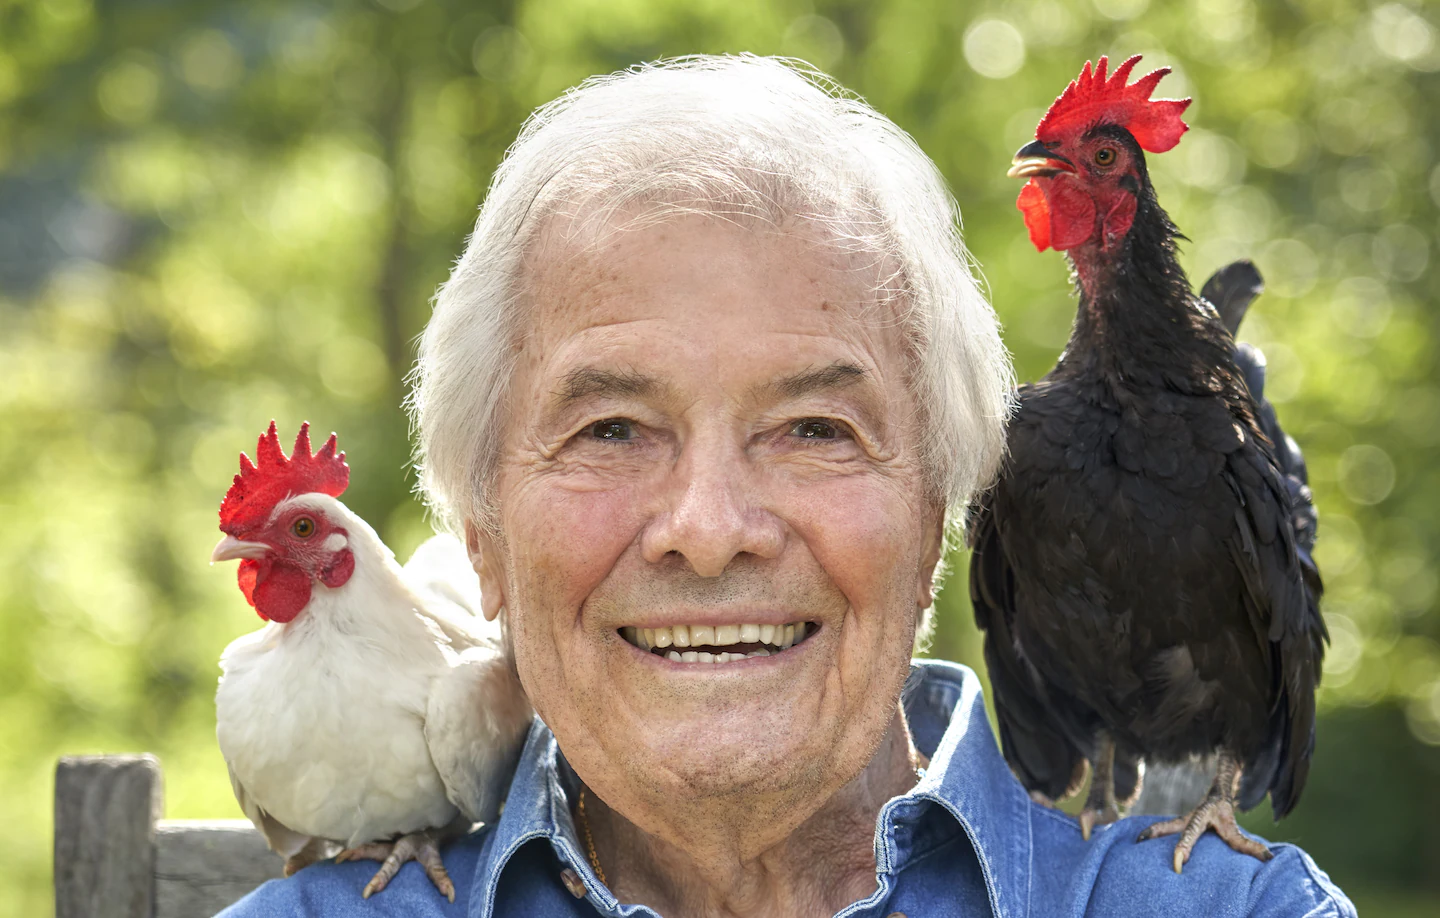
(272, 477)
(1091, 99)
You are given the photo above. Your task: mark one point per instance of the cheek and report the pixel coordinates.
(863, 532)
(561, 544)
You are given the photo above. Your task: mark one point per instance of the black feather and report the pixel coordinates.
(1231, 290)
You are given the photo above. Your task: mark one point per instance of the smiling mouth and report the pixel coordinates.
(718, 643)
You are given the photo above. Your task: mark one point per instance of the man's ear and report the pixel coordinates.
(930, 559)
(485, 559)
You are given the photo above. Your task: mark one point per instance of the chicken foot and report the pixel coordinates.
(423, 847)
(316, 849)
(1217, 812)
(1101, 807)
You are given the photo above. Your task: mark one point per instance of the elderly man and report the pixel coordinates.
(703, 394)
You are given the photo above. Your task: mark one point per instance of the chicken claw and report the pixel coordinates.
(417, 846)
(1093, 816)
(1216, 811)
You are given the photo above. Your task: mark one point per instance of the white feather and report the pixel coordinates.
(387, 706)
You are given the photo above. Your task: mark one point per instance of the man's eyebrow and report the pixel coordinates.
(837, 375)
(587, 381)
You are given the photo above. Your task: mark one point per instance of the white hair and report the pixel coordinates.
(743, 137)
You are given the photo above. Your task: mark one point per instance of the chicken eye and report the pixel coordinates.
(303, 528)
(1104, 156)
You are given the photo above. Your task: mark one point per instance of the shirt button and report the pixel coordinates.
(572, 882)
(896, 915)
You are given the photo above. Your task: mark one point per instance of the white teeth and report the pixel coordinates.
(775, 637)
(701, 656)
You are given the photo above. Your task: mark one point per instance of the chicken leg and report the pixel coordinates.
(1217, 812)
(1101, 807)
(316, 849)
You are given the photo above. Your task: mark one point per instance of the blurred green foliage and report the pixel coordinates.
(215, 214)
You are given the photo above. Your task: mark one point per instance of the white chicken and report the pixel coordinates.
(377, 712)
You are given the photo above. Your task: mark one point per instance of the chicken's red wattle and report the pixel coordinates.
(248, 573)
(1032, 205)
(282, 592)
(1059, 214)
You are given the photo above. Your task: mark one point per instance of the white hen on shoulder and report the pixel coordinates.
(377, 711)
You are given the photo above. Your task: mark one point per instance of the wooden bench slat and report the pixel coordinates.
(203, 866)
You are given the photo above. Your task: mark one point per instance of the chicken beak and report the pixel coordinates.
(231, 548)
(1036, 159)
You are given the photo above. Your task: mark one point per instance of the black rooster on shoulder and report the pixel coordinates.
(1141, 569)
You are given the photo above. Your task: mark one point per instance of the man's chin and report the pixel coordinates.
(720, 761)
(722, 736)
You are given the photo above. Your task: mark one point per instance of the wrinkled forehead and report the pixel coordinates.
(576, 258)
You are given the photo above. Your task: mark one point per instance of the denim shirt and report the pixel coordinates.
(967, 840)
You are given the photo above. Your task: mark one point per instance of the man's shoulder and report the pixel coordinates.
(1121, 876)
(329, 888)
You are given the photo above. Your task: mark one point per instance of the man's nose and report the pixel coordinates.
(711, 514)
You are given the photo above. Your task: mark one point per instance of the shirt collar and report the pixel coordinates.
(967, 777)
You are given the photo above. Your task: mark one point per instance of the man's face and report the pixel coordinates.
(710, 428)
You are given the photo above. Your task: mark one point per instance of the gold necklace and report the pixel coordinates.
(589, 839)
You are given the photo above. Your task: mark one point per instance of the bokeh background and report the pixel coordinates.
(214, 214)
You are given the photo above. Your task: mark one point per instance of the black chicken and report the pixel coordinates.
(1141, 569)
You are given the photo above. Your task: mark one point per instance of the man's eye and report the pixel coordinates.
(612, 429)
(816, 429)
